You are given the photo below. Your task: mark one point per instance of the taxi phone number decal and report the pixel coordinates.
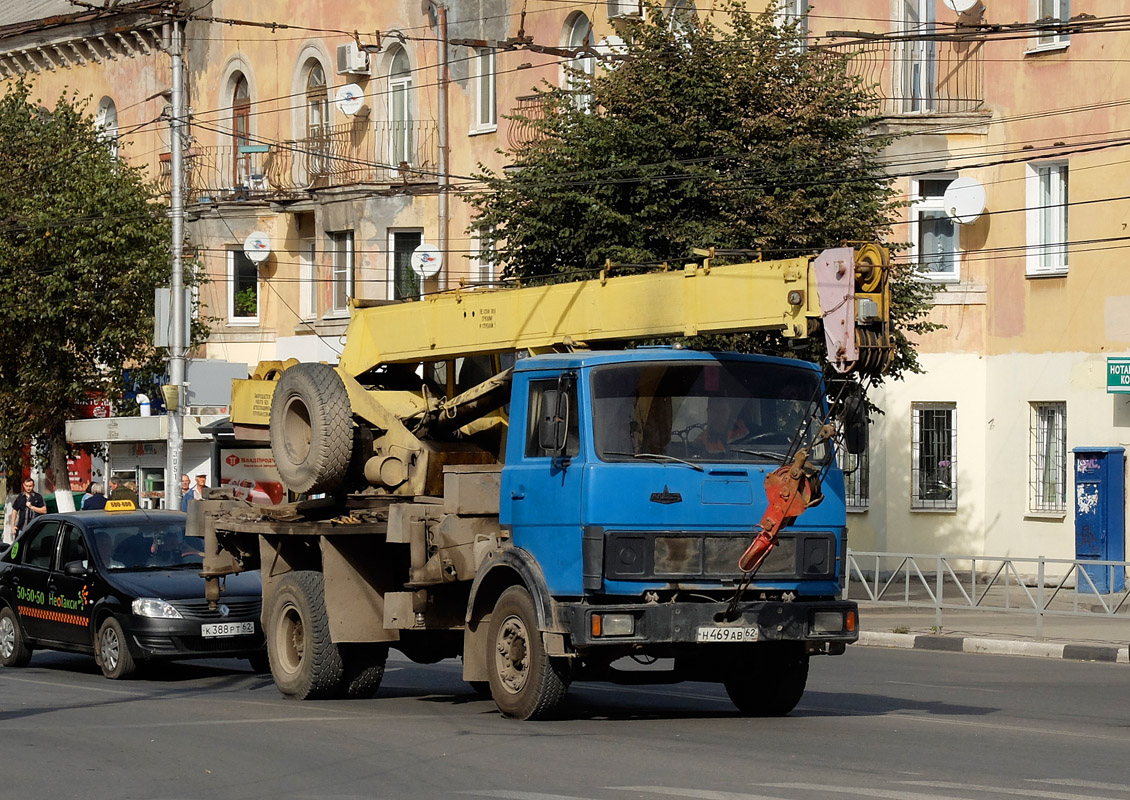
(53, 600)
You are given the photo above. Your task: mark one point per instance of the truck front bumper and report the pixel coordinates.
(827, 625)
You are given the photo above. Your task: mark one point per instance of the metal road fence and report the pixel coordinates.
(1040, 587)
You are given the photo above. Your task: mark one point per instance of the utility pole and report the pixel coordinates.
(174, 400)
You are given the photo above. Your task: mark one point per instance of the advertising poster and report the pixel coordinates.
(250, 474)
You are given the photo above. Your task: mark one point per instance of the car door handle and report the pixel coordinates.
(518, 495)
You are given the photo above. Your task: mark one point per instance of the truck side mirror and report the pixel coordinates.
(855, 425)
(553, 426)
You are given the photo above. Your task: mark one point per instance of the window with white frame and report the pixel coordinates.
(580, 69)
(915, 58)
(486, 99)
(243, 289)
(401, 128)
(1047, 458)
(793, 12)
(479, 267)
(341, 271)
(1046, 196)
(619, 9)
(106, 121)
(933, 477)
(405, 281)
(1051, 12)
(934, 234)
(857, 476)
(307, 266)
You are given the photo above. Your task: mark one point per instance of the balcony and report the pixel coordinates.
(917, 77)
(522, 132)
(345, 155)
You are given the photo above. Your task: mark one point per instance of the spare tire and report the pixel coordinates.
(311, 428)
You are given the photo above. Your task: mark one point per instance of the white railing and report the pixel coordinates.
(1038, 586)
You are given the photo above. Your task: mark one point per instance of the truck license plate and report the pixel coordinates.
(215, 630)
(711, 633)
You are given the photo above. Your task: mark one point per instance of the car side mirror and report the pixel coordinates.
(855, 425)
(76, 568)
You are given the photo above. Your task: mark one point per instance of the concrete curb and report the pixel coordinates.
(1001, 647)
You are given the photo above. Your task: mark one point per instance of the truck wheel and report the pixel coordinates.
(525, 682)
(305, 664)
(770, 681)
(364, 670)
(113, 651)
(311, 428)
(14, 651)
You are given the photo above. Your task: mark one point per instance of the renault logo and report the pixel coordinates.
(224, 610)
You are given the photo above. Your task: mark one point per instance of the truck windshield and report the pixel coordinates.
(726, 411)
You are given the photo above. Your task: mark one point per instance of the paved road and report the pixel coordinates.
(875, 723)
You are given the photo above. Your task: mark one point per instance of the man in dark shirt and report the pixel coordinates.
(26, 507)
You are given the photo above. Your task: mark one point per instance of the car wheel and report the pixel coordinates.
(305, 664)
(525, 681)
(14, 651)
(113, 651)
(771, 681)
(364, 669)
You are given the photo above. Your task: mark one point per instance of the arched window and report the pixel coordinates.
(317, 120)
(400, 109)
(241, 130)
(106, 120)
(681, 15)
(582, 67)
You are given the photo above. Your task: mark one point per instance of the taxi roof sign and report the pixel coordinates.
(120, 505)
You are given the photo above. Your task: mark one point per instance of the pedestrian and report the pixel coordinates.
(97, 499)
(186, 493)
(200, 491)
(121, 491)
(131, 487)
(27, 506)
(87, 492)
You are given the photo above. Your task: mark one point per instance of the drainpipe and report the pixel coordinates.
(440, 12)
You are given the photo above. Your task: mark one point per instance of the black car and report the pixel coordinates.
(125, 587)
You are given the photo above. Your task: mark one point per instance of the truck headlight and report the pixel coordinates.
(154, 607)
(613, 625)
(828, 622)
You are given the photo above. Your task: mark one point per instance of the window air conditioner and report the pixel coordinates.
(625, 9)
(352, 60)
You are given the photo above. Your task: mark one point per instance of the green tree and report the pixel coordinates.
(82, 248)
(736, 137)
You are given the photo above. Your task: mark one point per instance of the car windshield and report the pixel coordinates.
(724, 411)
(147, 544)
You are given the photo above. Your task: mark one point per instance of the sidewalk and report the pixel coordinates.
(1082, 638)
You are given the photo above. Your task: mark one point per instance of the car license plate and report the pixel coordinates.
(215, 630)
(718, 633)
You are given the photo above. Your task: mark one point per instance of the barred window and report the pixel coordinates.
(1047, 458)
(857, 476)
(934, 470)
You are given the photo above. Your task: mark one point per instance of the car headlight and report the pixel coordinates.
(154, 607)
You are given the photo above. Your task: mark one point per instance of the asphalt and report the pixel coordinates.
(1082, 637)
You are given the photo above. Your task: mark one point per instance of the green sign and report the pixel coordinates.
(1118, 375)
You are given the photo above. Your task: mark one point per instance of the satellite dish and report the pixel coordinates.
(426, 260)
(257, 247)
(350, 99)
(960, 6)
(964, 200)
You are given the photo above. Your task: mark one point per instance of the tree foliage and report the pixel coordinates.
(736, 137)
(82, 248)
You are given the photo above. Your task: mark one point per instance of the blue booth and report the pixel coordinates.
(1100, 514)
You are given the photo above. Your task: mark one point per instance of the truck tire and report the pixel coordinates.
(305, 664)
(311, 428)
(364, 670)
(525, 681)
(769, 681)
(113, 652)
(14, 651)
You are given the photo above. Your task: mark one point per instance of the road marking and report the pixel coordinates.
(998, 790)
(884, 793)
(962, 689)
(59, 685)
(505, 794)
(698, 794)
(1106, 787)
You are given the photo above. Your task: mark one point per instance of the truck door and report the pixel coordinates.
(541, 492)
